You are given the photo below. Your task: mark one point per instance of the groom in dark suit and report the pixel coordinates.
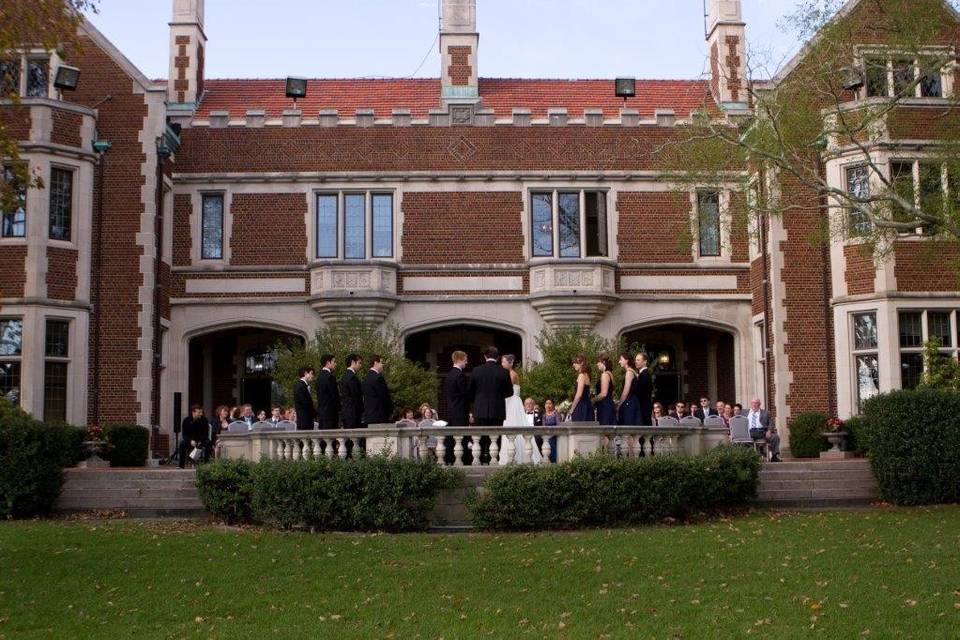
(491, 387)
(456, 391)
(644, 390)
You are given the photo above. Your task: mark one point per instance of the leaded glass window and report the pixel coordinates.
(211, 232)
(14, 223)
(708, 215)
(542, 224)
(61, 204)
(354, 226)
(382, 225)
(858, 186)
(568, 214)
(9, 78)
(327, 225)
(38, 78)
(11, 348)
(596, 205)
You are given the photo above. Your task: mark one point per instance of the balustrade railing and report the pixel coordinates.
(475, 446)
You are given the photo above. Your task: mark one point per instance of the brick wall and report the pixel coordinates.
(66, 128)
(861, 271)
(462, 228)
(927, 266)
(61, 273)
(120, 121)
(756, 285)
(739, 228)
(12, 266)
(16, 121)
(654, 227)
(459, 69)
(182, 230)
(269, 229)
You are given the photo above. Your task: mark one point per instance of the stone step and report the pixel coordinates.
(80, 504)
(126, 494)
(138, 484)
(803, 476)
(829, 465)
(151, 474)
(819, 494)
(820, 484)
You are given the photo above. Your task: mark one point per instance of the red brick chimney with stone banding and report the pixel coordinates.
(187, 42)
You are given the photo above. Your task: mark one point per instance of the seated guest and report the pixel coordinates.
(718, 407)
(657, 413)
(290, 414)
(534, 417)
(235, 414)
(738, 409)
(246, 415)
(679, 411)
(408, 417)
(727, 415)
(218, 425)
(551, 418)
(427, 413)
(261, 416)
(704, 411)
(193, 433)
(762, 427)
(276, 416)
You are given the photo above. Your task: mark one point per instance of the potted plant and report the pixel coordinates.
(836, 436)
(95, 445)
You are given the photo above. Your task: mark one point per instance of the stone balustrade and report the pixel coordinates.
(475, 446)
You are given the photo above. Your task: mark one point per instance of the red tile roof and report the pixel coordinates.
(421, 95)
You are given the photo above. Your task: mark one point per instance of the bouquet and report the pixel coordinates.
(564, 407)
(94, 433)
(835, 425)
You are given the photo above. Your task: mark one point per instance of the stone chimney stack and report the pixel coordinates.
(458, 52)
(726, 42)
(187, 42)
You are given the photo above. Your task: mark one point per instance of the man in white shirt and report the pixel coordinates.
(762, 427)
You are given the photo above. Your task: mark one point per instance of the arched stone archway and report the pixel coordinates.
(692, 360)
(433, 346)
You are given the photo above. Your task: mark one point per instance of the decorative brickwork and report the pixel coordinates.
(13, 268)
(927, 266)
(460, 69)
(269, 229)
(462, 228)
(756, 285)
(182, 63)
(654, 227)
(861, 271)
(61, 273)
(182, 230)
(66, 128)
(733, 66)
(739, 229)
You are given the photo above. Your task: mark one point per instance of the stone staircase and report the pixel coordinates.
(817, 484)
(140, 493)
(451, 514)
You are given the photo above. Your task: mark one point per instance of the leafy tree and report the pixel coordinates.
(941, 371)
(553, 377)
(804, 114)
(52, 26)
(410, 384)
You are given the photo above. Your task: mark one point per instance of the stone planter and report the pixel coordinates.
(836, 452)
(94, 461)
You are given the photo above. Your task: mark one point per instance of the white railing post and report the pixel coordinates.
(546, 450)
(509, 448)
(342, 448)
(494, 451)
(458, 451)
(441, 451)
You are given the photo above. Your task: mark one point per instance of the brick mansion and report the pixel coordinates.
(186, 225)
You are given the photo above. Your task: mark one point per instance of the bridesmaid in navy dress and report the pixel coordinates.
(629, 411)
(603, 399)
(582, 409)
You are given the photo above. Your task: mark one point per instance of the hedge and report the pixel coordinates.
(32, 458)
(603, 490)
(857, 435)
(806, 435)
(128, 445)
(367, 494)
(914, 443)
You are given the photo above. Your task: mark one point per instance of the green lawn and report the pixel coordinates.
(880, 574)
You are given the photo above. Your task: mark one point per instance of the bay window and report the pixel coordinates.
(916, 327)
(569, 224)
(11, 349)
(56, 364)
(866, 364)
(903, 76)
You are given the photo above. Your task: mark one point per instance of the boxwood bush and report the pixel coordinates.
(367, 494)
(603, 490)
(914, 442)
(32, 458)
(858, 433)
(806, 435)
(128, 445)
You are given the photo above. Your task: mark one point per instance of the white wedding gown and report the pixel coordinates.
(517, 417)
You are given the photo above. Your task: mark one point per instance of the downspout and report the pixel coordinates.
(827, 307)
(767, 310)
(97, 292)
(157, 289)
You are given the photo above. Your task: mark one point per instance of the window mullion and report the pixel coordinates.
(555, 205)
(583, 224)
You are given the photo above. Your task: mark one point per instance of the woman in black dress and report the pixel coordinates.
(628, 413)
(603, 399)
(582, 409)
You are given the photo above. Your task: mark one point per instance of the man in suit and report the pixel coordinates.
(704, 411)
(762, 428)
(491, 387)
(328, 396)
(456, 391)
(247, 415)
(303, 401)
(351, 395)
(534, 416)
(644, 390)
(193, 433)
(679, 411)
(377, 403)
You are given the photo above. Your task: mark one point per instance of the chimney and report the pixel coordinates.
(187, 42)
(726, 42)
(458, 52)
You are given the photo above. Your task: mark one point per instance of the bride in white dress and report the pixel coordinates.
(516, 417)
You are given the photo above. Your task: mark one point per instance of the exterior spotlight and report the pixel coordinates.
(851, 78)
(625, 87)
(296, 88)
(67, 78)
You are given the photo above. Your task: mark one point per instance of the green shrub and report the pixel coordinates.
(602, 490)
(225, 488)
(32, 458)
(806, 435)
(914, 442)
(367, 494)
(128, 445)
(856, 427)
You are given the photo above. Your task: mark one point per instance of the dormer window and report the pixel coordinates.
(889, 75)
